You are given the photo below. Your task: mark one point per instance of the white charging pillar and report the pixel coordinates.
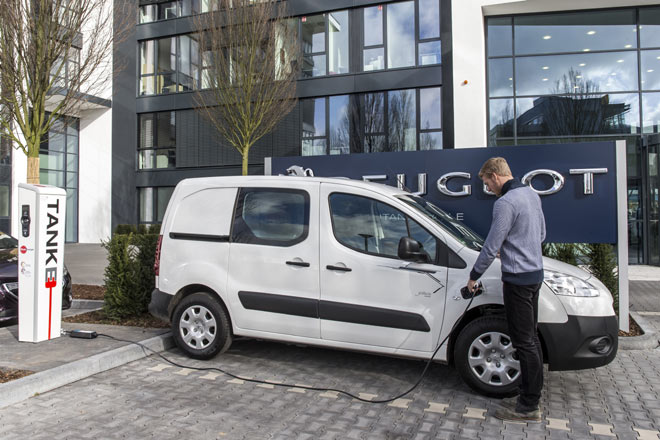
(40, 261)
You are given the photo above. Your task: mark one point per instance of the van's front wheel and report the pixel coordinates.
(485, 358)
(201, 326)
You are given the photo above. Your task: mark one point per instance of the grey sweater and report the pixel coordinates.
(516, 232)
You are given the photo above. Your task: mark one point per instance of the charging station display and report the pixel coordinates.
(40, 261)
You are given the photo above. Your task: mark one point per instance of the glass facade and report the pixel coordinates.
(579, 77)
(157, 140)
(152, 203)
(393, 120)
(395, 35)
(58, 166)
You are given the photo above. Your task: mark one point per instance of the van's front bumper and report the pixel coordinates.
(159, 305)
(582, 342)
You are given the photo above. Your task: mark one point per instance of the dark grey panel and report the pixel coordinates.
(187, 138)
(447, 75)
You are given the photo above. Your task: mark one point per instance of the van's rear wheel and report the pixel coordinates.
(200, 325)
(485, 358)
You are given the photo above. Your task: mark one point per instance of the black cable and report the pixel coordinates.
(421, 377)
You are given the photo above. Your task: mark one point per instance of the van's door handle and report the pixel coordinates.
(339, 268)
(298, 263)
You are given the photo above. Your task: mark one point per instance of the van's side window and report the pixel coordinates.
(373, 227)
(268, 216)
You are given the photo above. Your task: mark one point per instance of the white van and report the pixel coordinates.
(360, 266)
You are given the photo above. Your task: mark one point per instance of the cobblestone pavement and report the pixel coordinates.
(151, 399)
(645, 296)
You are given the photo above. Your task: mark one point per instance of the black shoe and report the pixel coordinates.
(511, 403)
(509, 415)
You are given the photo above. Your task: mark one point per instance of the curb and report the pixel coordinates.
(39, 383)
(648, 340)
(87, 304)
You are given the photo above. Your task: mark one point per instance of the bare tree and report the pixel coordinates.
(53, 55)
(250, 67)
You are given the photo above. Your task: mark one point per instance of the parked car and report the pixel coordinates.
(359, 266)
(9, 280)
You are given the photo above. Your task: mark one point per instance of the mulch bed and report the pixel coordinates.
(87, 291)
(7, 375)
(635, 330)
(99, 317)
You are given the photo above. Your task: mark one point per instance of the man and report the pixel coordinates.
(516, 233)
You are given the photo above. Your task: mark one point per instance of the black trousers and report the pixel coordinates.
(521, 304)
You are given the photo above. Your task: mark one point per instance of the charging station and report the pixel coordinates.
(40, 261)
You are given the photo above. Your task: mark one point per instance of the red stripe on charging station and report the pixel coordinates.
(50, 309)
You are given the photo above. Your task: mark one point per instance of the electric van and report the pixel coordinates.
(359, 266)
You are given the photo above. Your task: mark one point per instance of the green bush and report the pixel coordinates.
(602, 264)
(129, 277)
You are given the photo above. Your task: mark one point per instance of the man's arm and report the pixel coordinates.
(503, 217)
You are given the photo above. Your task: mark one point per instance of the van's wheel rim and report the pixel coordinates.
(197, 327)
(493, 360)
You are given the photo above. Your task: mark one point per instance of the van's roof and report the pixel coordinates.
(230, 181)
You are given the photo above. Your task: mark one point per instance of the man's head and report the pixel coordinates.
(495, 172)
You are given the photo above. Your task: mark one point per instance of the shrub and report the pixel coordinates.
(129, 277)
(602, 264)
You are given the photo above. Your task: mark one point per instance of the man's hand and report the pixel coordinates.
(472, 285)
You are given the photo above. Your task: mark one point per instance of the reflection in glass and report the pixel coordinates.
(402, 133)
(146, 201)
(578, 115)
(313, 118)
(164, 195)
(583, 73)
(650, 69)
(430, 108)
(71, 222)
(313, 65)
(338, 42)
(313, 147)
(339, 125)
(373, 109)
(429, 19)
(146, 159)
(166, 69)
(500, 77)
(430, 53)
(313, 34)
(374, 59)
(651, 112)
(373, 26)
(374, 144)
(4, 201)
(575, 32)
(500, 38)
(147, 13)
(649, 20)
(500, 118)
(430, 141)
(400, 34)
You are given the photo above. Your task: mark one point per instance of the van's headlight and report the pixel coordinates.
(563, 284)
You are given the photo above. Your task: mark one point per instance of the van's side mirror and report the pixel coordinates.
(411, 250)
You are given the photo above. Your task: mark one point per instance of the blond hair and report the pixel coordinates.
(495, 165)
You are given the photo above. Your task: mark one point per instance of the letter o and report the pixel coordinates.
(557, 179)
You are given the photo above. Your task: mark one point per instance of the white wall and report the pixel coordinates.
(95, 176)
(469, 55)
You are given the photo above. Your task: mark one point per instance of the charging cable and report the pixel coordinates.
(305, 387)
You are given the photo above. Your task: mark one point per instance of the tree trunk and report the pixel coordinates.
(33, 170)
(245, 163)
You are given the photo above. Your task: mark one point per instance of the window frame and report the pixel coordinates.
(154, 148)
(247, 236)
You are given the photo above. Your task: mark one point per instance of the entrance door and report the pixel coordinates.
(368, 297)
(651, 166)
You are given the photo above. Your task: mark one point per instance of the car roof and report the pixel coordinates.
(237, 181)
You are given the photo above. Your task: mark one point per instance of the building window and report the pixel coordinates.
(169, 65)
(395, 120)
(175, 9)
(157, 140)
(58, 166)
(153, 202)
(403, 34)
(63, 71)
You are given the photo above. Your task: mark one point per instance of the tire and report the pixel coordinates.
(200, 325)
(486, 359)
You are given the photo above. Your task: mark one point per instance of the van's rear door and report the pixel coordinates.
(273, 278)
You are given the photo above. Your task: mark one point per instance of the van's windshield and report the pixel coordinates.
(457, 229)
